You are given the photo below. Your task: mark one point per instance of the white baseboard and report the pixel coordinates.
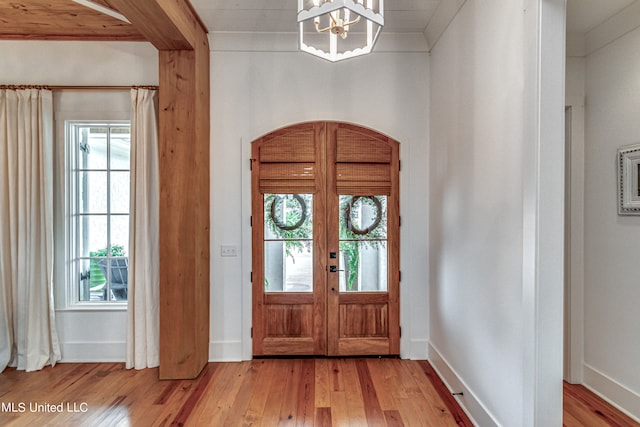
(225, 351)
(472, 406)
(93, 352)
(98, 352)
(616, 394)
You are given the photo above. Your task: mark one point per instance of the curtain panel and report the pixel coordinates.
(28, 337)
(143, 339)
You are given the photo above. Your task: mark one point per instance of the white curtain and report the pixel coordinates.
(144, 261)
(28, 337)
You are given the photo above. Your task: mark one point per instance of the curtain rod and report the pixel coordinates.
(78, 87)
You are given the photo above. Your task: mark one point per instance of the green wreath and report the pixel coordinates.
(281, 225)
(376, 221)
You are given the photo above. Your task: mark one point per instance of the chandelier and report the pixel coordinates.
(339, 29)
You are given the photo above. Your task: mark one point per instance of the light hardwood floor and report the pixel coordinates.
(262, 392)
(582, 408)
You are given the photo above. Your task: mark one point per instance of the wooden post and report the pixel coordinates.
(184, 211)
(184, 116)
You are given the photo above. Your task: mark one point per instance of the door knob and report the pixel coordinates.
(333, 269)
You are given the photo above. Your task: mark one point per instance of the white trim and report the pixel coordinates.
(65, 294)
(93, 352)
(230, 41)
(542, 213)
(574, 292)
(413, 342)
(225, 351)
(247, 307)
(618, 395)
(409, 348)
(472, 406)
(70, 227)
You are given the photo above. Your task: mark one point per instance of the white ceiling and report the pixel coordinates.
(401, 16)
(584, 15)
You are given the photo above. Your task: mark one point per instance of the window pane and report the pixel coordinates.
(116, 270)
(119, 192)
(288, 266)
(92, 235)
(120, 148)
(363, 266)
(288, 216)
(363, 217)
(85, 277)
(363, 243)
(92, 188)
(120, 235)
(288, 246)
(92, 148)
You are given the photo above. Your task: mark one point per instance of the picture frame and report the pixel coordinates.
(628, 159)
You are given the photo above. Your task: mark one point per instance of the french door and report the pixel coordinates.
(325, 218)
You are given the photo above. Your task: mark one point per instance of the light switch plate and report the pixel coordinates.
(228, 250)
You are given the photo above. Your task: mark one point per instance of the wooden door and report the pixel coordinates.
(325, 218)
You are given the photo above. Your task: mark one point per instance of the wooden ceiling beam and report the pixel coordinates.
(60, 20)
(167, 24)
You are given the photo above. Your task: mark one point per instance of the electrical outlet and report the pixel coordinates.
(228, 250)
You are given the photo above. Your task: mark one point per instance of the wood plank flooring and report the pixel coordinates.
(262, 392)
(582, 408)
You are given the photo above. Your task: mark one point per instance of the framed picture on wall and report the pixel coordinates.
(628, 160)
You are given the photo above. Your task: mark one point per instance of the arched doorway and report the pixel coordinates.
(325, 241)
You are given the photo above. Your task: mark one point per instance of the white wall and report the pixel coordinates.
(254, 92)
(78, 63)
(85, 335)
(265, 85)
(492, 286)
(611, 291)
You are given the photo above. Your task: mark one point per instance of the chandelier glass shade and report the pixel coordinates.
(339, 29)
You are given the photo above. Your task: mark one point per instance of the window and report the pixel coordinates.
(98, 176)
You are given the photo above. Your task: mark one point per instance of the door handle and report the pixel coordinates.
(333, 269)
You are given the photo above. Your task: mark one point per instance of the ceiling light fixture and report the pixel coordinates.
(339, 29)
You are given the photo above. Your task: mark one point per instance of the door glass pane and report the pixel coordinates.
(288, 243)
(363, 243)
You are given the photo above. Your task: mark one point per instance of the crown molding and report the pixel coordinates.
(223, 41)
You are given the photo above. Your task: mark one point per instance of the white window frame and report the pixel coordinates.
(67, 284)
